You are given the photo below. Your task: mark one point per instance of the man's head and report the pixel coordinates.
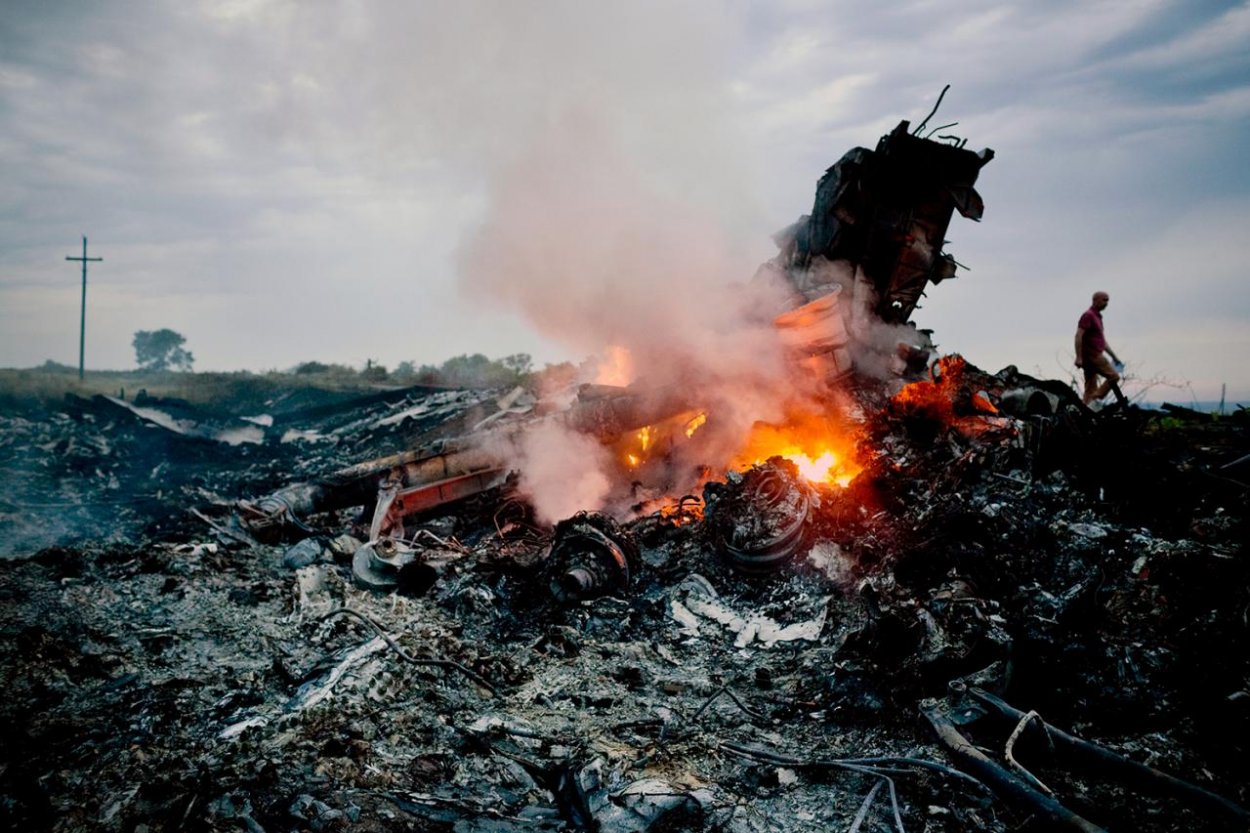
(1100, 300)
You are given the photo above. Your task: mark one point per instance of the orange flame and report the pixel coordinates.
(935, 398)
(616, 367)
(981, 401)
(640, 443)
(823, 453)
(927, 398)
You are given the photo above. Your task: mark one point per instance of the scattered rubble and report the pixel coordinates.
(983, 608)
(170, 679)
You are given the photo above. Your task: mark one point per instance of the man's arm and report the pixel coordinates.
(1079, 346)
(1112, 354)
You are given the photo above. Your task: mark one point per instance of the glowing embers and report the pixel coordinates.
(645, 437)
(689, 509)
(822, 451)
(758, 518)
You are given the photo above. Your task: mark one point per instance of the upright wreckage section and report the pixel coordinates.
(886, 213)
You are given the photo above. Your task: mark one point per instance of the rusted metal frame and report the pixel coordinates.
(357, 485)
(452, 469)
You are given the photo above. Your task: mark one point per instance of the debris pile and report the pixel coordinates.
(779, 653)
(926, 598)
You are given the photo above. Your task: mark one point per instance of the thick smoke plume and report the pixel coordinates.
(580, 242)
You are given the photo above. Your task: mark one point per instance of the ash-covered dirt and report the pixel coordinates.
(159, 674)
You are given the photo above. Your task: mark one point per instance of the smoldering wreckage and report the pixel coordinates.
(925, 598)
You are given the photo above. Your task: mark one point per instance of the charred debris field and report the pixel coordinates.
(920, 596)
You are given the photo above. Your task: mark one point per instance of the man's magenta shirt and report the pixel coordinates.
(1094, 342)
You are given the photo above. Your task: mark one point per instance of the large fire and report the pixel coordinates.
(822, 448)
(934, 397)
(823, 451)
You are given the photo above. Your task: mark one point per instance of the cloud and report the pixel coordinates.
(1219, 37)
(278, 133)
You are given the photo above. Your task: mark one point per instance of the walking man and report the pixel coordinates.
(1092, 351)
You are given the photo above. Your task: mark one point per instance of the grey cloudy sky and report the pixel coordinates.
(283, 181)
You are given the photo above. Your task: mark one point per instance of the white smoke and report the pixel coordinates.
(580, 241)
(561, 471)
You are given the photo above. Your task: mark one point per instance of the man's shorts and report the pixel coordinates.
(1099, 365)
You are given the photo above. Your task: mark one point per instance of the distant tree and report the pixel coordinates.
(479, 371)
(310, 368)
(161, 350)
(465, 370)
(518, 363)
(428, 374)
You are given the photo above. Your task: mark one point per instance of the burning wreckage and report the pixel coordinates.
(877, 619)
(862, 258)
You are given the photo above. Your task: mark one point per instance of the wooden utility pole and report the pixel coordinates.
(82, 321)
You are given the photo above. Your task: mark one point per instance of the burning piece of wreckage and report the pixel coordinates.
(854, 270)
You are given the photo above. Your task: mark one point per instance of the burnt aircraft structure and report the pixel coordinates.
(886, 211)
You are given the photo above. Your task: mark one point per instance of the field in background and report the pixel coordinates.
(21, 389)
(244, 391)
